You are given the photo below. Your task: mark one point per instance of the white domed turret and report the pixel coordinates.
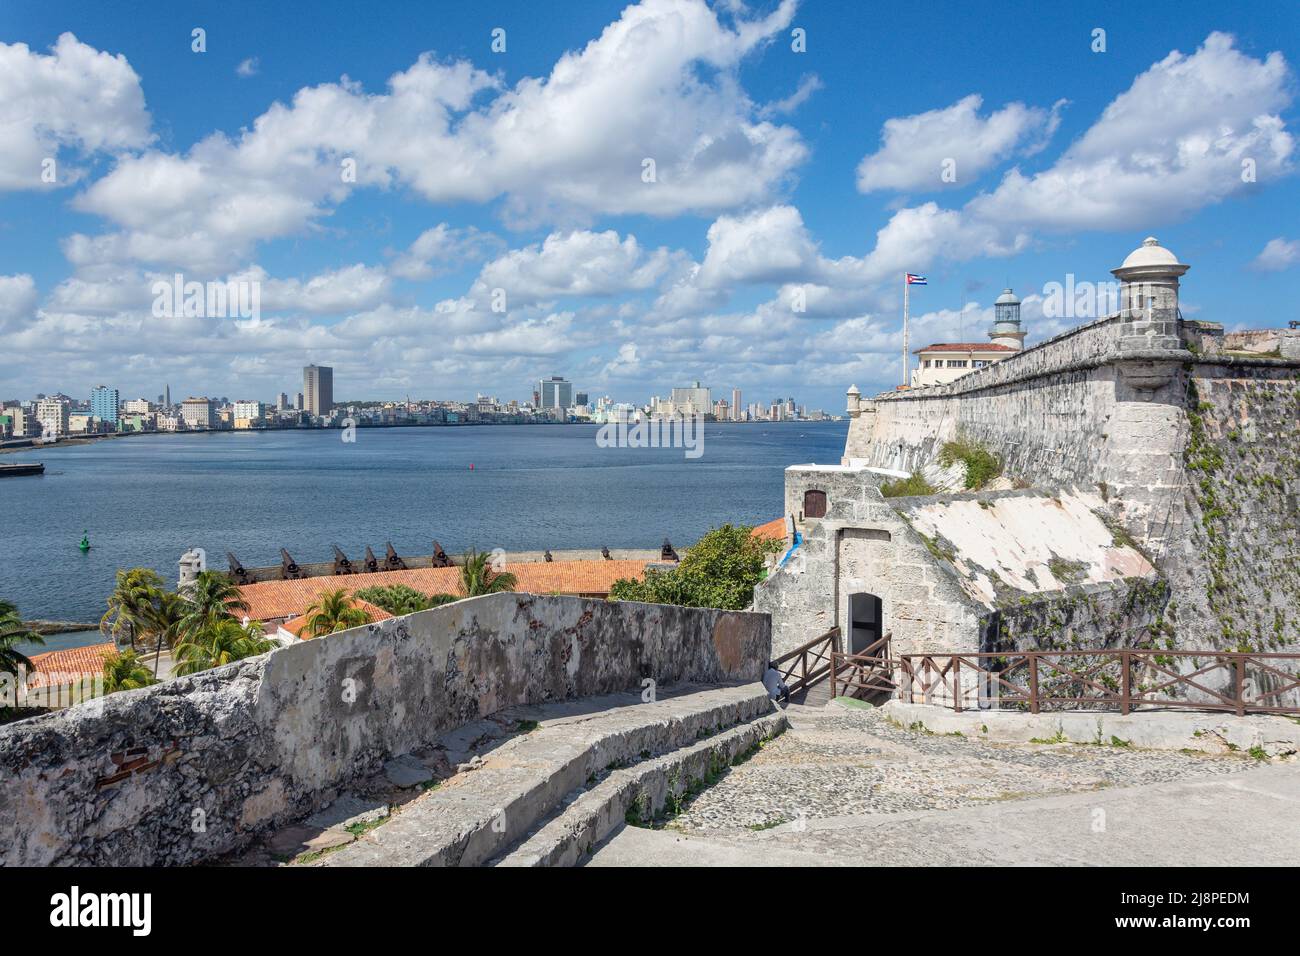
(1006, 321)
(854, 400)
(1149, 278)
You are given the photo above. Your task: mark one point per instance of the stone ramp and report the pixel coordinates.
(550, 788)
(1250, 818)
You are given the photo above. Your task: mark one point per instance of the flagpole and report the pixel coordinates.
(906, 290)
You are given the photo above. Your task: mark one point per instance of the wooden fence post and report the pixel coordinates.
(1033, 681)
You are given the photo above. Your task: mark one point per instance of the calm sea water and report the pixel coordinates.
(143, 501)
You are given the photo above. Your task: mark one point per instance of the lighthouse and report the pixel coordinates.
(1006, 322)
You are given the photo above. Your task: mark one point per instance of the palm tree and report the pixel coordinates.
(13, 632)
(334, 611)
(132, 601)
(220, 642)
(396, 599)
(166, 622)
(438, 600)
(477, 577)
(125, 671)
(211, 597)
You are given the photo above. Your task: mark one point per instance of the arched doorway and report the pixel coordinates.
(866, 621)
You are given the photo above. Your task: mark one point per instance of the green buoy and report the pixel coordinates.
(85, 542)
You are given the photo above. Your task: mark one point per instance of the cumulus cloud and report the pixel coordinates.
(658, 84)
(76, 97)
(1278, 254)
(1191, 131)
(578, 263)
(914, 150)
(443, 249)
(17, 299)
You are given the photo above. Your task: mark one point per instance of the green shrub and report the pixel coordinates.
(720, 570)
(904, 487)
(982, 466)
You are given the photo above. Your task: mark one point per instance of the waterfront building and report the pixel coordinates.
(197, 413)
(282, 402)
(318, 389)
(104, 402)
(22, 424)
(696, 397)
(555, 392)
(52, 416)
(137, 406)
(737, 410)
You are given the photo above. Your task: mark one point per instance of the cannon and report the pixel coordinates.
(372, 563)
(604, 553)
(547, 556)
(289, 570)
(440, 559)
(392, 562)
(237, 572)
(341, 563)
(666, 553)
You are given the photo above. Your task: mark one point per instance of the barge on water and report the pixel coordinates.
(27, 468)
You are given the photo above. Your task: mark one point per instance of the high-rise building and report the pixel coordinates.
(737, 412)
(696, 397)
(197, 412)
(580, 398)
(281, 402)
(318, 389)
(167, 396)
(137, 406)
(555, 392)
(104, 403)
(52, 416)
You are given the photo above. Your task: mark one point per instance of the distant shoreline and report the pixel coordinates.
(78, 440)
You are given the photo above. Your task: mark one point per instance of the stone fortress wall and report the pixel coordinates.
(196, 767)
(1191, 438)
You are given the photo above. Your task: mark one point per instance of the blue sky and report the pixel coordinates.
(778, 173)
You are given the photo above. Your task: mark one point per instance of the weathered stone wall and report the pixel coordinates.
(862, 545)
(1235, 569)
(1196, 451)
(198, 766)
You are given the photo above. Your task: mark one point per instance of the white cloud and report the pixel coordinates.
(770, 245)
(347, 289)
(77, 97)
(1180, 138)
(1278, 254)
(443, 249)
(915, 149)
(578, 263)
(659, 83)
(17, 299)
(247, 68)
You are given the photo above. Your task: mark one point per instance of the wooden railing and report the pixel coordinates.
(808, 663)
(870, 671)
(1104, 679)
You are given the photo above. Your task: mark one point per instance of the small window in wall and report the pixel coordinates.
(814, 504)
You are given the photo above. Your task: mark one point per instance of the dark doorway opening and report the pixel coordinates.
(865, 621)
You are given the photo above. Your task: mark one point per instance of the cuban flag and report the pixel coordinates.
(916, 280)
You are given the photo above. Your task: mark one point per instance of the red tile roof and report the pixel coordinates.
(774, 530)
(375, 613)
(965, 347)
(277, 600)
(60, 666)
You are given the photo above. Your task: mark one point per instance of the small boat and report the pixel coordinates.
(84, 546)
(25, 468)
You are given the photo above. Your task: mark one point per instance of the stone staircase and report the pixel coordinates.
(549, 796)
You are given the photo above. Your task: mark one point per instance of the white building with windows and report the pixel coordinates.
(944, 362)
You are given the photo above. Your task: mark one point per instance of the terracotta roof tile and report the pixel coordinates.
(774, 530)
(277, 600)
(56, 666)
(965, 347)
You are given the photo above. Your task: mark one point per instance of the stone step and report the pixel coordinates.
(643, 791)
(481, 813)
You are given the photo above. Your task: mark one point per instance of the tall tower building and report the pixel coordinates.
(1006, 321)
(167, 396)
(556, 392)
(104, 403)
(737, 413)
(318, 389)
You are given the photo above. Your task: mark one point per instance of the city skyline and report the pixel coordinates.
(771, 263)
